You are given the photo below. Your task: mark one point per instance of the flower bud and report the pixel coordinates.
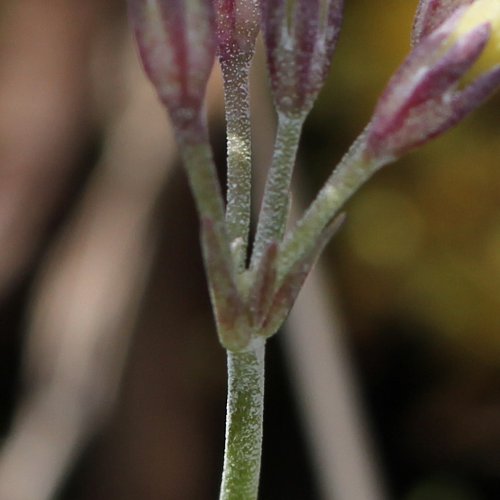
(176, 40)
(237, 26)
(300, 37)
(482, 11)
(429, 93)
(431, 13)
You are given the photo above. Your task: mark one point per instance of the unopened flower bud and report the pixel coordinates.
(431, 13)
(431, 91)
(237, 26)
(482, 11)
(300, 37)
(176, 40)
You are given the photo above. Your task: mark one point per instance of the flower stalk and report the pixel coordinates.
(276, 201)
(239, 157)
(202, 176)
(237, 25)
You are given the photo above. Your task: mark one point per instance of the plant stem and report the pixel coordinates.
(245, 408)
(202, 174)
(239, 157)
(352, 172)
(276, 202)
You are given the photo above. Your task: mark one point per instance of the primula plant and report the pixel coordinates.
(452, 68)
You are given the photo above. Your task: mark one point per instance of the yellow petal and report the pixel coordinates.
(480, 12)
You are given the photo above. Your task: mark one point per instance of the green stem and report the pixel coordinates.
(239, 158)
(245, 408)
(352, 172)
(202, 174)
(276, 202)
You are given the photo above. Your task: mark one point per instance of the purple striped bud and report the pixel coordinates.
(430, 92)
(432, 13)
(300, 37)
(237, 26)
(176, 40)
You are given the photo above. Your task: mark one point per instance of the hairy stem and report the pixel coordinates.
(352, 172)
(239, 155)
(276, 202)
(244, 415)
(202, 175)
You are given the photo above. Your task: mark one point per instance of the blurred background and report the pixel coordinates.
(112, 381)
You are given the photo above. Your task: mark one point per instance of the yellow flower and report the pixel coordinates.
(480, 12)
